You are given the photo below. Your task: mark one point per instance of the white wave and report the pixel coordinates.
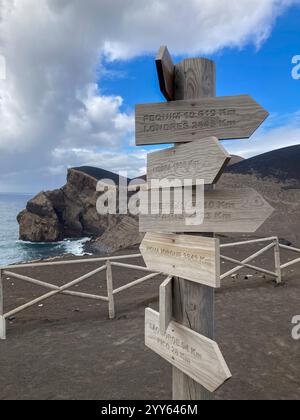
(67, 246)
(76, 247)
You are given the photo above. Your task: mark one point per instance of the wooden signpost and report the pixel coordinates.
(165, 71)
(165, 304)
(231, 117)
(225, 211)
(203, 160)
(197, 356)
(183, 331)
(194, 258)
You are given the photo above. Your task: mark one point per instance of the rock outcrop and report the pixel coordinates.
(121, 236)
(42, 224)
(69, 212)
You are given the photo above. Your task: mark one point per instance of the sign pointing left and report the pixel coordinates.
(203, 160)
(194, 258)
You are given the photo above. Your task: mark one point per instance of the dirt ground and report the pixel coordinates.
(68, 349)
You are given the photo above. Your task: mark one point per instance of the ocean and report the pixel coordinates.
(12, 250)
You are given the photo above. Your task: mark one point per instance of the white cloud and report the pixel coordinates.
(285, 132)
(53, 50)
(98, 121)
(134, 163)
(192, 26)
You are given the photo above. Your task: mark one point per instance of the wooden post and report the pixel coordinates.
(110, 295)
(193, 304)
(277, 261)
(2, 319)
(165, 304)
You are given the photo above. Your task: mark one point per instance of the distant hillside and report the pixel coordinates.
(283, 164)
(99, 173)
(235, 159)
(70, 212)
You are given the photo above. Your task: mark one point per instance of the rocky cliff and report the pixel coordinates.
(69, 212)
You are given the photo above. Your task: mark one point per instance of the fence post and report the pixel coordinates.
(2, 319)
(110, 294)
(277, 261)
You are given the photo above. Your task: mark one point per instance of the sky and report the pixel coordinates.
(71, 72)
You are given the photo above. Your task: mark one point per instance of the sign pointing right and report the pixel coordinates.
(197, 356)
(225, 211)
(228, 117)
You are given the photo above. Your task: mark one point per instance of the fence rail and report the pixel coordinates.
(245, 263)
(110, 262)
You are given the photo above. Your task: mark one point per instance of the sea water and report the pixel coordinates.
(12, 250)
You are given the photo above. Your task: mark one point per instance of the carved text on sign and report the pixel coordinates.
(192, 257)
(212, 118)
(229, 117)
(192, 353)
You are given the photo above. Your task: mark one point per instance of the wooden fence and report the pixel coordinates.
(107, 262)
(273, 244)
(110, 262)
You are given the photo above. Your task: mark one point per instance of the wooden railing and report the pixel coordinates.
(274, 244)
(110, 262)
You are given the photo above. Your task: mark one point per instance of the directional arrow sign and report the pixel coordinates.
(194, 258)
(166, 73)
(195, 355)
(225, 211)
(203, 160)
(231, 117)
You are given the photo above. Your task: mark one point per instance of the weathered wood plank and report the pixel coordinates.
(166, 73)
(197, 356)
(203, 160)
(2, 328)
(54, 292)
(195, 78)
(2, 319)
(194, 258)
(231, 117)
(225, 211)
(110, 291)
(165, 304)
(193, 303)
(277, 261)
(1, 293)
